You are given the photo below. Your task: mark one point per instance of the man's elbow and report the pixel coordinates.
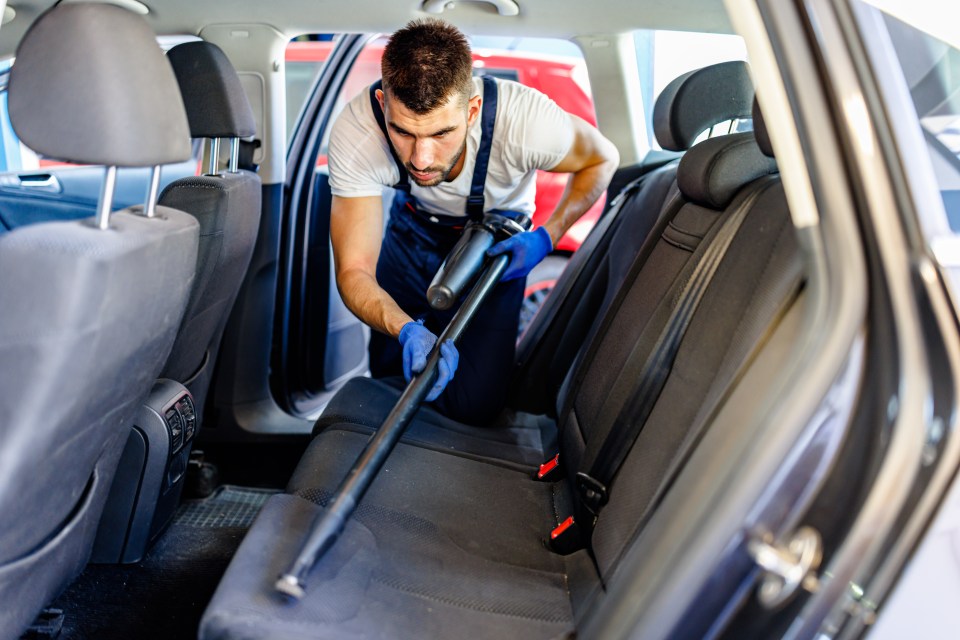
(610, 155)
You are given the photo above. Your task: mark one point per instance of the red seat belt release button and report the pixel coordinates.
(548, 470)
(563, 526)
(566, 538)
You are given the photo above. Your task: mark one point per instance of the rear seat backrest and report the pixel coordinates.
(710, 177)
(688, 106)
(757, 279)
(91, 307)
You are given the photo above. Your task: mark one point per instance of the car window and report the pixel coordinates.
(555, 67)
(17, 157)
(663, 55)
(931, 69)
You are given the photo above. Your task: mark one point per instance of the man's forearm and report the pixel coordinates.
(369, 302)
(583, 189)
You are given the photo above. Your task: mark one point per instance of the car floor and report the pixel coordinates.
(165, 594)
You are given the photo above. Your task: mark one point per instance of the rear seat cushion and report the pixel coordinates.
(424, 555)
(502, 514)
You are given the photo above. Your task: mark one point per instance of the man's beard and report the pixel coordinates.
(444, 172)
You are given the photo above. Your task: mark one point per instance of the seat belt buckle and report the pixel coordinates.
(550, 470)
(593, 493)
(565, 538)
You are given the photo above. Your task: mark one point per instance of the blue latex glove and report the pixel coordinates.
(417, 341)
(526, 251)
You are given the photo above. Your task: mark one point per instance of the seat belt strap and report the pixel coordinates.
(593, 486)
(488, 118)
(404, 183)
(579, 370)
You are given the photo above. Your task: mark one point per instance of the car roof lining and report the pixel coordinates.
(545, 18)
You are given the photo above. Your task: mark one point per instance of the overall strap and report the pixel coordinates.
(404, 183)
(488, 118)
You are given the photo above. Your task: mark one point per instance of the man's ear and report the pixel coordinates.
(379, 94)
(473, 109)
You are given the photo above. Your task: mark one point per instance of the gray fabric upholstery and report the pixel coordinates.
(760, 130)
(117, 103)
(94, 318)
(697, 100)
(516, 440)
(227, 207)
(713, 171)
(524, 509)
(216, 105)
(390, 575)
(89, 315)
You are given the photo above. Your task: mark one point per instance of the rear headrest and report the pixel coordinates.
(697, 100)
(216, 105)
(714, 170)
(760, 130)
(91, 85)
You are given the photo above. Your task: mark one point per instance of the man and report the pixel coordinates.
(453, 147)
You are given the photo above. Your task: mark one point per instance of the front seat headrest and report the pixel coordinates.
(699, 99)
(217, 106)
(91, 85)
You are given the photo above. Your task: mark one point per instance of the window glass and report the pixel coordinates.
(18, 158)
(931, 69)
(664, 55)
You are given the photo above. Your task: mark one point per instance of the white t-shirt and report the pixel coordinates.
(531, 133)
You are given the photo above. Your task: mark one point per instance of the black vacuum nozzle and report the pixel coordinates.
(465, 260)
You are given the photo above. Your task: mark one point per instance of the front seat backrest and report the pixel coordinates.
(227, 205)
(88, 308)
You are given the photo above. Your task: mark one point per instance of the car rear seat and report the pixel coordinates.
(688, 106)
(443, 545)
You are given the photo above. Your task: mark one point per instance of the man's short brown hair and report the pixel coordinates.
(425, 62)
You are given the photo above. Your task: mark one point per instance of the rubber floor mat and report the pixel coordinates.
(228, 506)
(164, 595)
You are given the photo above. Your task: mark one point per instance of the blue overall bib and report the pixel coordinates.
(414, 245)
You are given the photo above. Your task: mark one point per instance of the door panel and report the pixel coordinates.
(71, 193)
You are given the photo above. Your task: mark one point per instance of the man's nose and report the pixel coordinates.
(423, 154)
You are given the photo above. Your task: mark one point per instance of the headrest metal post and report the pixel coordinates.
(105, 204)
(150, 207)
(214, 156)
(234, 155)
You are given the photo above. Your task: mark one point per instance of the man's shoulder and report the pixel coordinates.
(359, 109)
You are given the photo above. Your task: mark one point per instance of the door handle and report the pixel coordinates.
(41, 181)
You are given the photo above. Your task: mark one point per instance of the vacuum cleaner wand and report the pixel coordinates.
(463, 263)
(329, 524)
